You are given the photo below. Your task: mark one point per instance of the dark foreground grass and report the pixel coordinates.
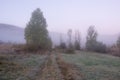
(92, 66)
(20, 66)
(95, 66)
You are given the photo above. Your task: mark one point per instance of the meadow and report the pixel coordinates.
(20, 66)
(95, 66)
(83, 65)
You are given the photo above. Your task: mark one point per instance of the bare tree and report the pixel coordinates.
(91, 38)
(70, 45)
(62, 43)
(70, 36)
(77, 40)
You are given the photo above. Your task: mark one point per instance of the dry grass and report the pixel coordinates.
(95, 66)
(68, 70)
(53, 66)
(20, 66)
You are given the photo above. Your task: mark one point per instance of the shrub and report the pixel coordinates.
(62, 45)
(70, 49)
(100, 47)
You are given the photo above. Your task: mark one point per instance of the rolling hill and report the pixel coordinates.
(15, 34)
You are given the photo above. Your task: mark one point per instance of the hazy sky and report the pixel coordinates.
(62, 15)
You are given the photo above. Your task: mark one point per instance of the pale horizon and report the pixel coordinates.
(65, 14)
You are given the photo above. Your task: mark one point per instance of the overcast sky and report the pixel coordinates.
(62, 15)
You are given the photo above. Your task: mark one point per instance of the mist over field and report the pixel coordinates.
(15, 34)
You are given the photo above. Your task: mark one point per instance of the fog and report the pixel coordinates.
(65, 14)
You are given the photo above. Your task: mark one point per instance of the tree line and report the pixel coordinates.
(91, 41)
(36, 36)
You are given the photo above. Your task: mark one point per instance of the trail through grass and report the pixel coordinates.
(95, 66)
(79, 66)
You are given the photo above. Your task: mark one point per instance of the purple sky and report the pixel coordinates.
(62, 15)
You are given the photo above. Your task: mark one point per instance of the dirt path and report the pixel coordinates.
(56, 69)
(50, 70)
(68, 71)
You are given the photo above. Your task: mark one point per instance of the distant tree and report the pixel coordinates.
(100, 47)
(70, 38)
(92, 44)
(91, 39)
(62, 43)
(77, 40)
(36, 33)
(118, 43)
(70, 45)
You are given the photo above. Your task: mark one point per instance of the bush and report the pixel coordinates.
(62, 45)
(77, 45)
(100, 47)
(70, 49)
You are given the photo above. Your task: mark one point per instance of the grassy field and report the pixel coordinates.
(95, 66)
(20, 66)
(79, 66)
